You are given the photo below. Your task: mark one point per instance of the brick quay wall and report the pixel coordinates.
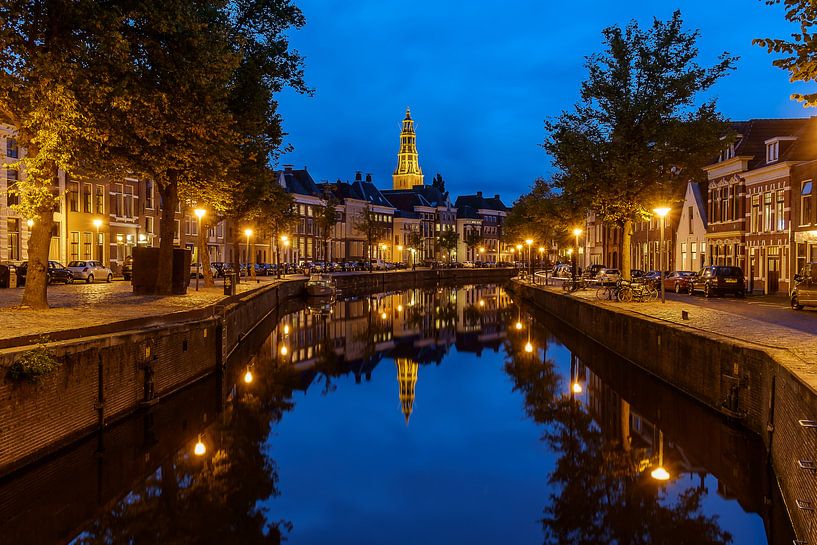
(108, 373)
(756, 385)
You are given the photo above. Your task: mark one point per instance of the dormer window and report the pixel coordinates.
(772, 151)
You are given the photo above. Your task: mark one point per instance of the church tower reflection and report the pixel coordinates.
(407, 380)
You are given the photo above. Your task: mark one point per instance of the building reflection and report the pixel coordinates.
(613, 427)
(412, 327)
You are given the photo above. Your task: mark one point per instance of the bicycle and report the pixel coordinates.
(570, 285)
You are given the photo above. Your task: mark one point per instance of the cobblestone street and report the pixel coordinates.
(84, 305)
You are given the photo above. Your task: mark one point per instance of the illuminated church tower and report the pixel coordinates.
(408, 172)
(407, 379)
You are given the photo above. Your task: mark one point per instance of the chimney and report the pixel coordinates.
(358, 176)
(496, 196)
(368, 177)
(479, 194)
(288, 167)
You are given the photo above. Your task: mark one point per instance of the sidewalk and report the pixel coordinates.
(86, 305)
(800, 345)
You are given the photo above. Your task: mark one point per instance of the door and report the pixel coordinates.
(807, 289)
(773, 274)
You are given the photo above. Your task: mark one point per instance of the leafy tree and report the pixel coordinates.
(326, 217)
(447, 241)
(46, 55)
(473, 239)
(415, 243)
(204, 74)
(542, 214)
(637, 135)
(366, 223)
(277, 211)
(799, 52)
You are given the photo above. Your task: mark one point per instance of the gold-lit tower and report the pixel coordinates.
(407, 379)
(408, 172)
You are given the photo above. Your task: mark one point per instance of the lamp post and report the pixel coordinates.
(286, 253)
(98, 223)
(248, 233)
(481, 251)
(662, 212)
(529, 242)
(400, 251)
(199, 214)
(660, 473)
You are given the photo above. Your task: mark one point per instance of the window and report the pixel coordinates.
(149, 195)
(86, 198)
(694, 252)
(74, 246)
(11, 183)
(806, 202)
(11, 148)
(781, 220)
(768, 218)
(755, 217)
(100, 199)
(14, 239)
(73, 198)
(87, 241)
(149, 225)
(772, 152)
(176, 230)
(128, 208)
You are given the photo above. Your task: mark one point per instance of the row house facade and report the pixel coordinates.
(755, 201)
(492, 213)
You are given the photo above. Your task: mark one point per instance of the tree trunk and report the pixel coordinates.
(236, 252)
(626, 241)
(167, 230)
(35, 294)
(251, 259)
(204, 256)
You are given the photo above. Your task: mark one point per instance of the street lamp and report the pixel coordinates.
(529, 242)
(199, 214)
(30, 223)
(662, 212)
(199, 449)
(98, 223)
(481, 251)
(248, 233)
(575, 264)
(659, 473)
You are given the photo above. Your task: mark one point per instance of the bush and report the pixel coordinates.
(34, 364)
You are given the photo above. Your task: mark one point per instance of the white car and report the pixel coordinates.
(608, 276)
(197, 268)
(90, 271)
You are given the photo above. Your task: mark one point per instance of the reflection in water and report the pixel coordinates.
(279, 462)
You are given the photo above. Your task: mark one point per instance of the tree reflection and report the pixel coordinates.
(210, 499)
(602, 493)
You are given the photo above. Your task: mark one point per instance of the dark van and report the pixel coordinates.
(718, 280)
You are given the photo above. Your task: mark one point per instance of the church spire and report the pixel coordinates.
(408, 172)
(407, 379)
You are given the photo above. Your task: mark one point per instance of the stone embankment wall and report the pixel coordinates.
(713, 369)
(108, 373)
(105, 377)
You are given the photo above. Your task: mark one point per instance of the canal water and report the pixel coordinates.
(442, 415)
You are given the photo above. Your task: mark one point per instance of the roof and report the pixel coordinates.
(434, 196)
(467, 212)
(697, 194)
(405, 199)
(299, 182)
(371, 194)
(753, 134)
(479, 202)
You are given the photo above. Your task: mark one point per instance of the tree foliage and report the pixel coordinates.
(326, 217)
(638, 135)
(799, 54)
(542, 214)
(448, 241)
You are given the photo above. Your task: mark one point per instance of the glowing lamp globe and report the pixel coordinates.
(577, 388)
(528, 347)
(248, 376)
(199, 449)
(660, 474)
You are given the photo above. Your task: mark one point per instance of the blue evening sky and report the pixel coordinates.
(481, 78)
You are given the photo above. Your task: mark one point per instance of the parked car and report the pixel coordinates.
(653, 277)
(562, 270)
(90, 270)
(805, 287)
(127, 268)
(608, 276)
(718, 280)
(56, 273)
(197, 268)
(636, 273)
(592, 271)
(678, 281)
